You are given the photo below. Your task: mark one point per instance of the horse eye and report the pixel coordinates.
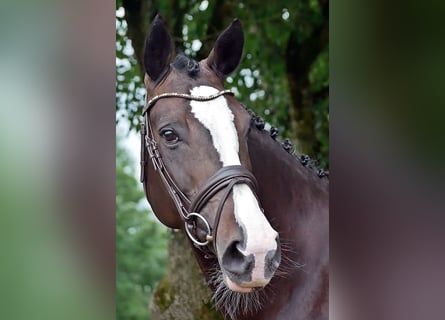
(170, 136)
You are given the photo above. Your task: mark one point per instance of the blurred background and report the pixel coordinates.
(57, 188)
(58, 151)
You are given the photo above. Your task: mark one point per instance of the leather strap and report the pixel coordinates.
(225, 178)
(219, 181)
(150, 103)
(180, 200)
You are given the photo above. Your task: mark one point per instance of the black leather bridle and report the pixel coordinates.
(189, 209)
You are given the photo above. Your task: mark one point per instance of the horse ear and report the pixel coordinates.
(158, 49)
(226, 53)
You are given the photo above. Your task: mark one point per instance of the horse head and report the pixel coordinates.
(199, 179)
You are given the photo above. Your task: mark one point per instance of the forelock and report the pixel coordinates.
(187, 65)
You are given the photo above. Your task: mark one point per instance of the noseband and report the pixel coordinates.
(189, 209)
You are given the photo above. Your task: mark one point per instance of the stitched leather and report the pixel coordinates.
(219, 181)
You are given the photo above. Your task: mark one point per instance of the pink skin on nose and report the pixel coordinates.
(234, 287)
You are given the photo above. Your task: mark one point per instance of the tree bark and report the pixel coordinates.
(183, 293)
(138, 15)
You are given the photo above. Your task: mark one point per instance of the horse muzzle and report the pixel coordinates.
(246, 272)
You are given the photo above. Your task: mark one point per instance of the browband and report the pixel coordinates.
(153, 100)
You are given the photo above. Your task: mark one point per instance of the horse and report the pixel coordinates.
(256, 216)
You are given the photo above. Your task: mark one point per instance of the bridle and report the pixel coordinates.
(189, 209)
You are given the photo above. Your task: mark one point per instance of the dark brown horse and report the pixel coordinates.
(257, 217)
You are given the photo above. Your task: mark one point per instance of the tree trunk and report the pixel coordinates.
(299, 58)
(182, 294)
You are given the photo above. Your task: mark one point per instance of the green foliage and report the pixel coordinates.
(319, 82)
(163, 297)
(141, 243)
(130, 90)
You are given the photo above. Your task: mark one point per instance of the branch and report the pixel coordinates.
(300, 56)
(138, 15)
(222, 15)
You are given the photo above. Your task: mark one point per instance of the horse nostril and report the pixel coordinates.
(235, 262)
(273, 260)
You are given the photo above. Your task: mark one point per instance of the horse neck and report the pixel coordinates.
(294, 198)
(274, 167)
(295, 201)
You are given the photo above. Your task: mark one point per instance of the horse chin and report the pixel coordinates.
(233, 299)
(237, 288)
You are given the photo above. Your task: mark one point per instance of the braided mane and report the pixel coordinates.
(259, 123)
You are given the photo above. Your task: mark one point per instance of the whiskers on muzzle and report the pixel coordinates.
(231, 302)
(288, 264)
(234, 303)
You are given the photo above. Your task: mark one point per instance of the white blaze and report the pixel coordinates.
(216, 116)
